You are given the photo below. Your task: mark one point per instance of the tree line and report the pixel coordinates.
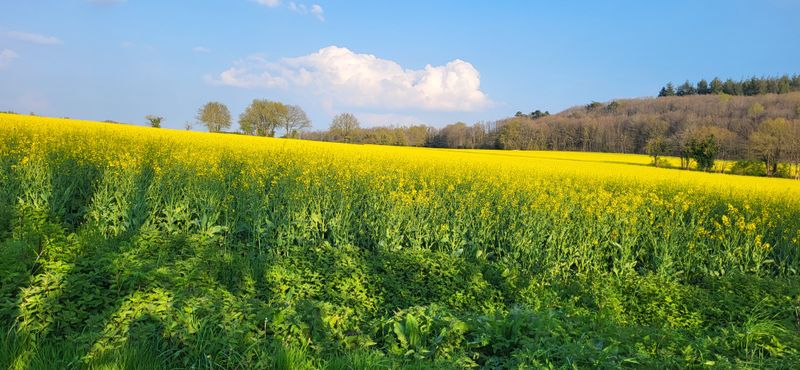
(261, 118)
(761, 134)
(749, 87)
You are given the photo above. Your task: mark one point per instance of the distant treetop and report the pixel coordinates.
(749, 87)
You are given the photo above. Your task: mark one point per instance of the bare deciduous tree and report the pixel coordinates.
(770, 143)
(345, 126)
(294, 121)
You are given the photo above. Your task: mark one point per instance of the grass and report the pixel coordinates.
(126, 247)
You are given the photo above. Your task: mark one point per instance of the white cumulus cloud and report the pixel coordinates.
(6, 57)
(34, 38)
(341, 77)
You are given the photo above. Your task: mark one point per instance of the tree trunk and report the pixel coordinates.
(768, 167)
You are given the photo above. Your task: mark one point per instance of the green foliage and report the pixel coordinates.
(704, 151)
(755, 110)
(262, 117)
(752, 86)
(703, 88)
(686, 89)
(716, 86)
(667, 90)
(748, 168)
(215, 116)
(657, 147)
(594, 105)
(154, 121)
(426, 333)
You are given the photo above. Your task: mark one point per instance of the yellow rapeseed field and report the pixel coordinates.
(598, 183)
(220, 243)
(114, 144)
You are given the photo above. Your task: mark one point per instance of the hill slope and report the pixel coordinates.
(625, 125)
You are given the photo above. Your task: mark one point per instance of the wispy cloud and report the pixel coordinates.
(317, 11)
(34, 38)
(300, 8)
(340, 77)
(269, 3)
(201, 49)
(6, 57)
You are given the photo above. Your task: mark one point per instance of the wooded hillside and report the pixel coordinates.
(626, 125)
(698, 128)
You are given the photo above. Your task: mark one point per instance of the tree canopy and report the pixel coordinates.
(344, 126)
(294, 121)
(262, 117)
(155, 121)
(749, 87)
(215, 116)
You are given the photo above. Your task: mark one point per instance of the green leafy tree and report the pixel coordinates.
(755, 111)
(704, 151)
(215, 116)
(155, 121)
(594, 105)
(538, 114)
(657, 147)
(730, 87)
(703, 88)
(262, 117)
(667, 90)
(783, 85)
(613, 106)
(686, 89)
(716, 87)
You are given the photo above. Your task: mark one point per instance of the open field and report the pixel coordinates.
(597, 164)
(123, 246)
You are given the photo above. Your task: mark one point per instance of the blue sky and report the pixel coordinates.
(433, 62)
